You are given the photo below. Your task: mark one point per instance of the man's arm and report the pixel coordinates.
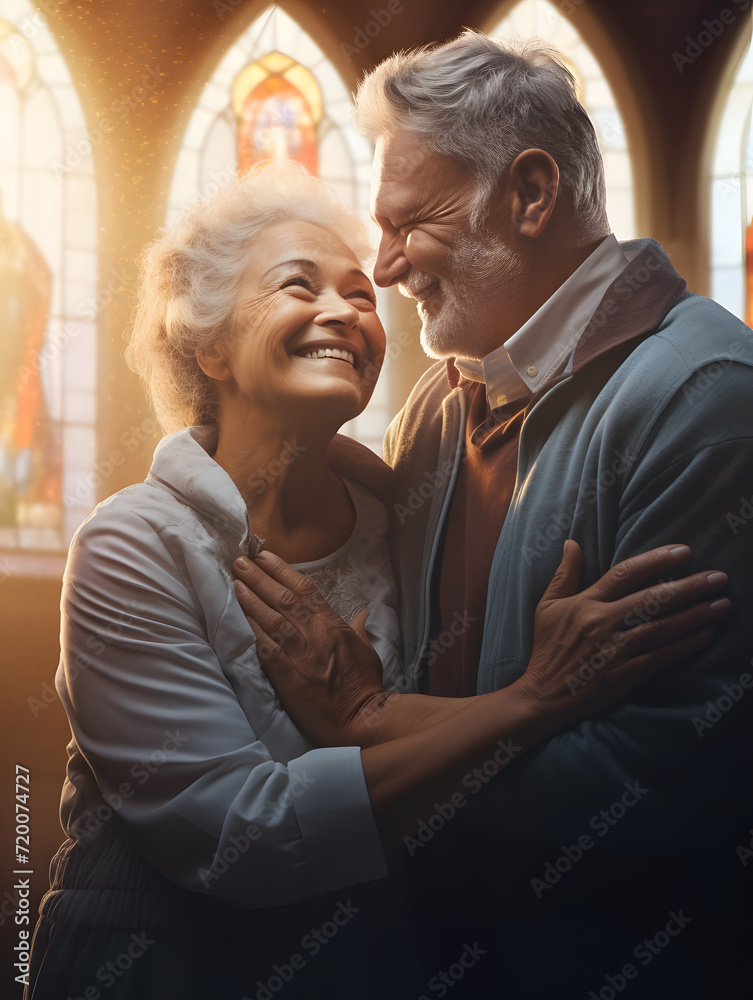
(686, 734)
(418, 746)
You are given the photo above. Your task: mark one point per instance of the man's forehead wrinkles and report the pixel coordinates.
(398, 186)
(387, 202)
(402, 173)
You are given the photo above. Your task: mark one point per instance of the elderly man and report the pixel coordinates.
(580, 392)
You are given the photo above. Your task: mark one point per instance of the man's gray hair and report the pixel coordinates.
(480, 102)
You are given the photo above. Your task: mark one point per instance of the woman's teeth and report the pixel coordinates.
(332, 352)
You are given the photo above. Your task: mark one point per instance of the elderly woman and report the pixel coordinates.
(194, 806)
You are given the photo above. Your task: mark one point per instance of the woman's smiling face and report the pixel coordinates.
(305, 329)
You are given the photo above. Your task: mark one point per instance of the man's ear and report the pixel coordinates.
(213, 362)
(533, 180)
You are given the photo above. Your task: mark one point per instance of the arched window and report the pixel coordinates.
(541, 19)
(47, 292)
(732, 199)
(275, 95)
(278, 105)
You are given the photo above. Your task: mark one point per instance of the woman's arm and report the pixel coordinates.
(417, 746)
(154, 710)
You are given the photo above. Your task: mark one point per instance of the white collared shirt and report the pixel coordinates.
(539, 348)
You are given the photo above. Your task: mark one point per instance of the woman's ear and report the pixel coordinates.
(213, 362)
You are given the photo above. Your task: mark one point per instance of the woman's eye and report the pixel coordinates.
(300, 281)
(363, 294)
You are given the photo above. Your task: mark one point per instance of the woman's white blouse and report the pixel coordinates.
(210, 780)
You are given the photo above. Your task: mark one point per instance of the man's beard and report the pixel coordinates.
(464, 324)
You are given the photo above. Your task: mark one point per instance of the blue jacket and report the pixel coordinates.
(648, 443)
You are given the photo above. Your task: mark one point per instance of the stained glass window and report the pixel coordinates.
(732, 199)
(275, 95)
(47, 291)
(541, 19)
(278, 106)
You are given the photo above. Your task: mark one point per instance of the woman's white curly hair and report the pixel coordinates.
(190, 275)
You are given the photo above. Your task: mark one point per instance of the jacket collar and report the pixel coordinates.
(634, 304)
(649, 287)
(183, 465)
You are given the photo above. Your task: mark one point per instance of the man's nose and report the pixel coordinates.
(391, 263)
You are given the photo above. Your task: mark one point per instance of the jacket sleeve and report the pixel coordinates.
(193, 788)
(678, 749)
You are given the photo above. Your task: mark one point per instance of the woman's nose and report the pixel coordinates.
(336, 309)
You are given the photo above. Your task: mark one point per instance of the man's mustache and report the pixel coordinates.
(414, 283)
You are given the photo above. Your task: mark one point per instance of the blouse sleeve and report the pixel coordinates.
(195, 792)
